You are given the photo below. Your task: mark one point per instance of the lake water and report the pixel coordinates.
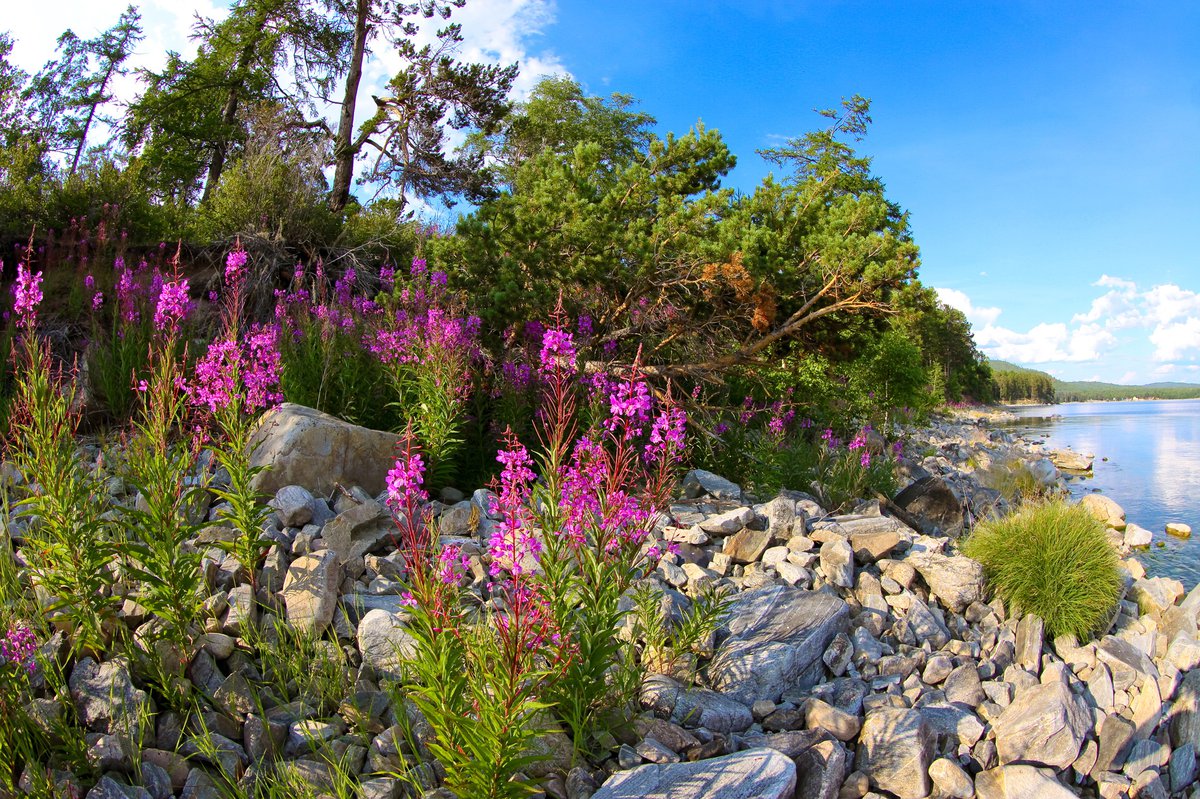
(1152, 468)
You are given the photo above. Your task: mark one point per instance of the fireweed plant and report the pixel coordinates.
(161, 459)
(476, 674)
(324, 363)
(428, 353)
(123, 333)
(21, 740)
(601, 495)
(70, 542)
(564, 550)
(235, 380)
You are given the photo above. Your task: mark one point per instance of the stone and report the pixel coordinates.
(357, 530)
(937, 668)
(895, 749)
(935, 504)
(1020, 782)
(819, 715)
(837, 561)
(1030, 638)
(1136, 536)
(953, 722)
(922, 626)
(384, 642)
(107, 700)
(1045, 724)
(749, 774)
(382, 788)
(730, 522)
(174, 764)
(1146, 708)
(837, 656)
(1179, 530)
(956, 581)
(108, 788)
(310, 590)
(778, 636)
(698, 481)
(1104, 510)
(1148, 785)
(1116, 737)
(747, 546)
(1184, 653)
(1184, 724)
(694, 707)
(1073, 462)
(1155, 594)
(871, 546)
(963, 686)
(950, 779)
(821, 770)
(293, 505)
(305, 447)
(781, 518)
(1145, 754)
(1182, 767)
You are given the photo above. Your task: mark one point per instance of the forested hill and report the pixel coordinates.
(1018, 384)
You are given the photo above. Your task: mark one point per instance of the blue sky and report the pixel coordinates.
(1048, 152)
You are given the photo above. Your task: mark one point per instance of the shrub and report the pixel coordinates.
(1052, 560)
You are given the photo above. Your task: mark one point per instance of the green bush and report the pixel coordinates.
(1053, 560)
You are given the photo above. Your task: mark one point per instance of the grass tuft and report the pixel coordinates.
(1051, 559)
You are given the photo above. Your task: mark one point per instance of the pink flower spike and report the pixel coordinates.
(28, 291)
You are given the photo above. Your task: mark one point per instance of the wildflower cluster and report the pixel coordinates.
(18, 649)
(28, 295)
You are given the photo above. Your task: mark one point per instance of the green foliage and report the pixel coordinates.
(675, 647)
(844, 476)
(324, 366)
(1015, 481)
(890, 375)
(273, 192)
(1052, 560)
(71, 542)
(300, 665)
(167, 568)
(1014, 384)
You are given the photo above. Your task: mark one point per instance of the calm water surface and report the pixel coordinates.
(1152, 468)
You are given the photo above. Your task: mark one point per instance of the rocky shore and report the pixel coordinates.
(861, 655)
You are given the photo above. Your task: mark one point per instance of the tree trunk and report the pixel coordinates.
(228, 116)
(343, 149)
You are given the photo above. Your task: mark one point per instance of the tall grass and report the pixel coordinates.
(1051, 559)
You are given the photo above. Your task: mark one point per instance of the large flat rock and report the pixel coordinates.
(750, 774)
(777, 637)
(305, 447)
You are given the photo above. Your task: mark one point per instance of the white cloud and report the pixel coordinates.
(1176, 340)
(1128, 377)
(977, 316)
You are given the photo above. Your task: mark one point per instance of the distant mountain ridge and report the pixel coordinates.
(1085, 390)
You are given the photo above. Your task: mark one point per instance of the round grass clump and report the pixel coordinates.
(1051, 559)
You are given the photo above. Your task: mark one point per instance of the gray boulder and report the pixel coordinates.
(1045, 725)
(698, 481)
(778, 636)
(895, 749)
(305, 447)
(384, 642)
(310, 590)
(357, 530)
(935, 504)
(1020, 782)
(956, 581)
(107, 700)
(750, 774)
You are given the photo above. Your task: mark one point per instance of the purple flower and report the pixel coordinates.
(89, 282)
(437, 278)
(28, 291)
(172, 305)
(558, 350)
(19, 647)
(667, 435)
(97, 300)
(865, 460)
(585, 325)
(235, 263)
(628, 406)
(418, 267)
(720, 429)
(404, 482)
(247, 377)
(387, 278)
(512, 544)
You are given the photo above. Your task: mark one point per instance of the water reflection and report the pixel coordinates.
(1152, 468)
